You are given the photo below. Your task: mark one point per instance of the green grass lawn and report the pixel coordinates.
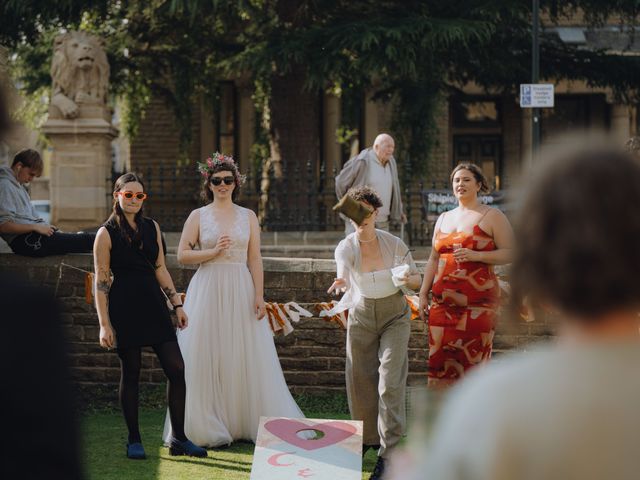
(105, 436)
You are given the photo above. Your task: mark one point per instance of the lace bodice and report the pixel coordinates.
(239, 231)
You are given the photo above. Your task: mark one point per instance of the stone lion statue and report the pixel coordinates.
(80, 72)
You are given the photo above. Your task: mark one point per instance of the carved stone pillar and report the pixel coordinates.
(80, 131)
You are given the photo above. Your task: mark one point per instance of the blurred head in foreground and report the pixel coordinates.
(576, 236)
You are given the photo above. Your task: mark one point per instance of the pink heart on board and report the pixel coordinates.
(286, 430)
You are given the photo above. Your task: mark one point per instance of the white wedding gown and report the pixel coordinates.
(232, 369)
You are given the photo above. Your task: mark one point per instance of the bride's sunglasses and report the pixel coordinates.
(217, 181)
(129, 195)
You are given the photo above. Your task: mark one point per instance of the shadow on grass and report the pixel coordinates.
(211, 462)
(105, 436)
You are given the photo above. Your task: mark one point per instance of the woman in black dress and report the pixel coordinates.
(132, 310)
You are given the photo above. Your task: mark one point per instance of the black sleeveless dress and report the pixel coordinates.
(137, 308)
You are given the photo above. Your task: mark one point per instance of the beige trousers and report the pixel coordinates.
(376, 369)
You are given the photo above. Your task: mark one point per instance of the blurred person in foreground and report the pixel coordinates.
(37, 402)
(40, 424)
(568, 410)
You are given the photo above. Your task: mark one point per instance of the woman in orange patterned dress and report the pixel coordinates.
(467, 242)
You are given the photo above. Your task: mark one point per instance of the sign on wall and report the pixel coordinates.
(536, 95)
(295, 449)
(437, 201)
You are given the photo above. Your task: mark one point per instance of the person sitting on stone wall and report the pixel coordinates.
(20, 225)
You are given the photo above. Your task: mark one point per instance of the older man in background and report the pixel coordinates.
(375, 167)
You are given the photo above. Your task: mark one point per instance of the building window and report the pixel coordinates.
(484, 151)
(477, 134)
(479, 113)
(570, 113)
(227, 119)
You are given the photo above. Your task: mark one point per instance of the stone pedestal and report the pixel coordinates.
(80, 178)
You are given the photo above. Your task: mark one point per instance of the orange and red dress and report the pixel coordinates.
(462, 315)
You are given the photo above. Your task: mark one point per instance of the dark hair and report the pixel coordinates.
(576, 233)
(29, 158)
(366, 194)
(476, 171)
(117, 218)
(207, 194)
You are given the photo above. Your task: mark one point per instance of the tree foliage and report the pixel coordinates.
(412, 51)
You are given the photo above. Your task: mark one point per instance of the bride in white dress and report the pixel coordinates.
(232, 369)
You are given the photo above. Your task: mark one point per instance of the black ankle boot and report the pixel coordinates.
(378, 470)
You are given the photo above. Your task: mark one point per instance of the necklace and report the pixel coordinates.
(367, 241)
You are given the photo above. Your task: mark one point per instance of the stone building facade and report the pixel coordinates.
(488, 128)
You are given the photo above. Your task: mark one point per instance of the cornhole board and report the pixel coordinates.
(307, 448)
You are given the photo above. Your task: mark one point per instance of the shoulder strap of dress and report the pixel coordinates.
(483, 215)
(444, 214)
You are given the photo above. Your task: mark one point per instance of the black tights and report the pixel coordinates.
(173, 365)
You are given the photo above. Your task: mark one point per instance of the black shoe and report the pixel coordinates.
(135, 451)
(186, 447)
(378, 470)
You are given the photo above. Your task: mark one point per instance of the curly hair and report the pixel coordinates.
(365, 194)
(476, 171)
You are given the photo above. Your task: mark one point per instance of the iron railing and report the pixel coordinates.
(174, 191)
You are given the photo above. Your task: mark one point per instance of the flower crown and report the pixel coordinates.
(217, 159)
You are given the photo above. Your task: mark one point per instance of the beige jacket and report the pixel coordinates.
(354, 174)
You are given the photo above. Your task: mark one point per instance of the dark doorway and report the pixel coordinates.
(483, 150)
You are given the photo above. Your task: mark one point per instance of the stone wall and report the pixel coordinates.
(312, 356)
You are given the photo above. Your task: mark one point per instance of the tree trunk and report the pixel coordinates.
(289, 198)
(290, 193)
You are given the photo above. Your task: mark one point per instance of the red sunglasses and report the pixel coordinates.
(129, 195)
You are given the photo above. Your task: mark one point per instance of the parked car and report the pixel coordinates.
(43, 207)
